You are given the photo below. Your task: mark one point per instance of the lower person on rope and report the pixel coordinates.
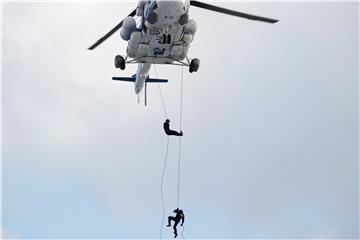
(169, 132)
(179, 216)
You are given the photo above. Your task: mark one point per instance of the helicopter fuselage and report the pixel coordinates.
(160, 33)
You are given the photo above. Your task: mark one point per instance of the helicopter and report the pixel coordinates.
(160, 32)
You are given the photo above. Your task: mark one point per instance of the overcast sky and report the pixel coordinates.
(270, 123)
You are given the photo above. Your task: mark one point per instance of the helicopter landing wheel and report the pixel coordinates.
(194, 65)
(119, 62)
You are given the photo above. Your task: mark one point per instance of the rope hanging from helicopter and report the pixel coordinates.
(179, 156)
(167, 151)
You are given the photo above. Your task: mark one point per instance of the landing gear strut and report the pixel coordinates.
(119, 62)
(194, 65)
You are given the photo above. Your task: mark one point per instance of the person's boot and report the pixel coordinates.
(175, 235)
(168, 225)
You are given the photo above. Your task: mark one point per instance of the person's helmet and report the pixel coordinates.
(167, 120)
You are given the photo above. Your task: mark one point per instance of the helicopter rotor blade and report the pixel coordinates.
(230, 12)
(106, 36)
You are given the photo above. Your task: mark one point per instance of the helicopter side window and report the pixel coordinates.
(168, 39)
(165, 39)
(151, 6)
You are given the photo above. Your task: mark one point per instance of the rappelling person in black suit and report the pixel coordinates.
(169, 132)
(179, 216)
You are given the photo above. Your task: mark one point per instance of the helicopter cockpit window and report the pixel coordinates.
(155, 6)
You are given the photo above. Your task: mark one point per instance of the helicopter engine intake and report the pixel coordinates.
(128, 27)
(191, 27)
